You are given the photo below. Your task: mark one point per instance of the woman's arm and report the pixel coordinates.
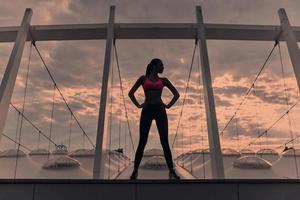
(133, 89)
(173, 90)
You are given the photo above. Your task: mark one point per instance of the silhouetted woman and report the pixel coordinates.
(153, 108)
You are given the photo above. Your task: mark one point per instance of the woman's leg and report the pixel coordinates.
(161, 120)
(145, 124)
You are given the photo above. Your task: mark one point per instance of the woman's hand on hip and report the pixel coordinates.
(166, 105)
(141, 105)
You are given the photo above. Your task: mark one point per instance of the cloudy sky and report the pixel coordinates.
(77, 67)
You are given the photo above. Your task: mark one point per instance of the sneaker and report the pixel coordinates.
(173, 175)
(134, 174)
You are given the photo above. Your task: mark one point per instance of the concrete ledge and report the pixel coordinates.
(44, 189)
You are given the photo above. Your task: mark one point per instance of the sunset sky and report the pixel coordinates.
(77, 67)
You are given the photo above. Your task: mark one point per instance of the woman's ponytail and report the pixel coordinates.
(154, 61)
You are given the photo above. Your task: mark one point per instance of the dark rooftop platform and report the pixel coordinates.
(43, 189)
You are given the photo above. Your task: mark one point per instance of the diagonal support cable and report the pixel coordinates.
(122, 90)
(21, 145)
(246, 95)
(185, 93)
(273, 124)
(32, 124)
(61, 94)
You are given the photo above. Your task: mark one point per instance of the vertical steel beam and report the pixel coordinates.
(12, 68)
(100, 151)
(212, 126)
(293, 48)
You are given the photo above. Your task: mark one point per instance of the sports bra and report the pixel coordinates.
(153, 85)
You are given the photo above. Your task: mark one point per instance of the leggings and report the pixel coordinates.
(158, 113)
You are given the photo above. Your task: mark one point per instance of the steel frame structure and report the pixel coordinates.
(111, 30)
